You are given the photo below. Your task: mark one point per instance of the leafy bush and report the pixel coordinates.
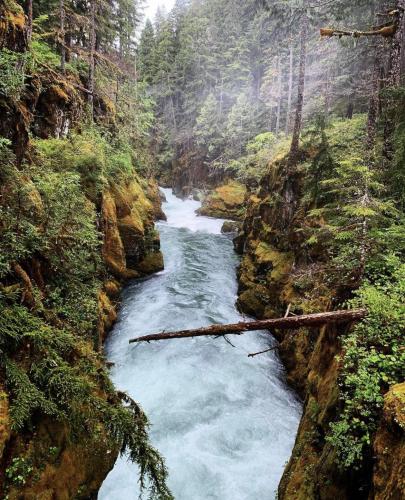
(260, 152)
(43, 54)
(373, 360)
(18, 471)
(53, 370)
(12, 74)
(96, 156)
(62, 378)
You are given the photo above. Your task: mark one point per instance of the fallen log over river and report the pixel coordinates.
(286, 323)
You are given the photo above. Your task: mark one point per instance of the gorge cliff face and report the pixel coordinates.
(279, 271)
(87, 248)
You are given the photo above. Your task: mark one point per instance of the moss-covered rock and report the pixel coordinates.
(156, 197)
(113, 249)
(5, 424)
(128, 228)
(389, 448)
(107, 316)
(152, 263)
(52, 466)
(225, 202)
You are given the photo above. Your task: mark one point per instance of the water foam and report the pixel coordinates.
(225, 423)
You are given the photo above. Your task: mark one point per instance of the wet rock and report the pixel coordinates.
(156, 196)
(230, 227)
(197, 195)
(162, 196)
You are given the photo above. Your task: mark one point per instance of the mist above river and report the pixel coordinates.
(225, 423)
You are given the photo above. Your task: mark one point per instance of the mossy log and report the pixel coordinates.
(290, 323)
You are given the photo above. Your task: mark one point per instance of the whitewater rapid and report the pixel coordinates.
(225, 423)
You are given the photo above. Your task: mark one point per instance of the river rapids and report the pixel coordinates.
(225, 423)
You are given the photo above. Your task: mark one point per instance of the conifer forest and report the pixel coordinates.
(202, 240)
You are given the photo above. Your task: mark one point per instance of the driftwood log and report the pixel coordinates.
(286, 323)
(386, 32)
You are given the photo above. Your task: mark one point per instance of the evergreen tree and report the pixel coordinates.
(208, 129)
(147, 54)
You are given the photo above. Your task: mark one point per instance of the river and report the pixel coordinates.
(225, 423)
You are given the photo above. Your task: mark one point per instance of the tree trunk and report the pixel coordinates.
(30, 21)
(62, 35)
(293, 156)
(290, 86)
(394, 79)
(279, 96)
(286, 323)
(350, 109)
(327, 94)
(68, 39)
(92, 55)
(374, 107)
(221, 97)
(271, 117)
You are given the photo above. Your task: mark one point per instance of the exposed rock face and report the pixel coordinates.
(188, 171)
(129, 235)
(156, 197)
(225, 202)
(389, 448)
(231, 227)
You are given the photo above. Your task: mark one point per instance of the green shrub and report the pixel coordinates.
(12, 73)
(373, 360)
(18, 471)
(65, 379)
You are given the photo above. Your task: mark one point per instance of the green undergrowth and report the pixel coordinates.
(354, 225)
(48, 332)
(348, 233)
(65, 379)
(259, 152)
(373, 360)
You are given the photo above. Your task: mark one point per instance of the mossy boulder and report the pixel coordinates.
(156, 197)
(225, 202)
(107, 316)
(113, 248)
(152, 263)
(5, 424)
(53, 460)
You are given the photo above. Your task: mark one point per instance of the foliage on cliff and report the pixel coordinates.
(343, 244)
(50, 311)
(64, 423)
(373, 361)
